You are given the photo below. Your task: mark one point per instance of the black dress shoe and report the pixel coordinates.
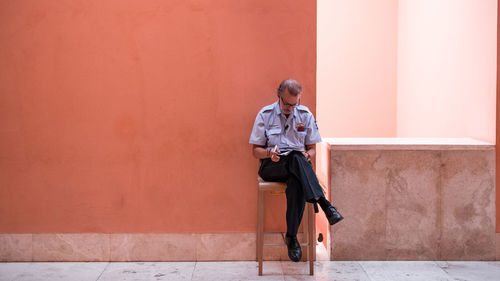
(294, 251)
(333, 215)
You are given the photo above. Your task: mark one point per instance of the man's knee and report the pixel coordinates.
(297, 156)
(299, 162)
(293, 185)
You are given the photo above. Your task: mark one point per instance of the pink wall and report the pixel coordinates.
(356, 75)
(134, 116)
(497, 151)
(447, 68)
(407, 69)
(324, 176)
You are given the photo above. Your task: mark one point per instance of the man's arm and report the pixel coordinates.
(311, 150)
(312, 138)
(261, 152)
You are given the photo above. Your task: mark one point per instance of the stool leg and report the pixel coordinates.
(314, 234)
(260, 228)
(311, 239)
(305, 232)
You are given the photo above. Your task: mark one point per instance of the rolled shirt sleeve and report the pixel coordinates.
(258, 135)
(313, 135)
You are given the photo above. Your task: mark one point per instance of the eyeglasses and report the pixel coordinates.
(288, 104)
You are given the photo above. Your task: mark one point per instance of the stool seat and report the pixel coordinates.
(308, 224)
(273, 186)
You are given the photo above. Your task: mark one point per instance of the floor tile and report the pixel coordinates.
(472, 271)
(148, 271)
(63, 271)
(9, 270)
(325, 270)
(404, 271)
(219, 271)
(248, 270)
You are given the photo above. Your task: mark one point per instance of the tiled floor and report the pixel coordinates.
(273, 270)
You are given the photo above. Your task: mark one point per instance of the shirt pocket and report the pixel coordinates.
(301, 136)
(273, 136)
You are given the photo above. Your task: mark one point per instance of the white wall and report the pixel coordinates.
(447, 68)
(356, 68)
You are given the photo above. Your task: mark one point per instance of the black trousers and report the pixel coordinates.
(302, 185)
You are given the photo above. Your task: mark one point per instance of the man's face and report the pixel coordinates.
(288, 102)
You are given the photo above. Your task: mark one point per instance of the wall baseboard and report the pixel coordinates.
(137, 247)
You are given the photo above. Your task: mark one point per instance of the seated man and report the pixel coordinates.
(288, 127)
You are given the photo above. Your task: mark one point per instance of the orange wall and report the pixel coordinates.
(134, 116)
(356, 77)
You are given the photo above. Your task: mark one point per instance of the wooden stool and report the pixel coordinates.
(308, 226)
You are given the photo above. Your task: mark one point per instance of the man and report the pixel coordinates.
(287, 126)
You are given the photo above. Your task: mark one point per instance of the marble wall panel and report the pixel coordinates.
(71, 247)
(358, 192)
(468, 205)
(413, 204)
(225, 247)
(16, 247)
(153, 247)
(140, 247)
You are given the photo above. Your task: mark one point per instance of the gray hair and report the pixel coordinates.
(294, 88)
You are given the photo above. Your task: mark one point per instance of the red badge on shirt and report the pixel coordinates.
(300, 127)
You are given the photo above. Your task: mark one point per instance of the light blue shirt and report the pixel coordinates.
(272, 128)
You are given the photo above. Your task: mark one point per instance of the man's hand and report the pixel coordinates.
(274, 154)
(310, 152)
(306, 155)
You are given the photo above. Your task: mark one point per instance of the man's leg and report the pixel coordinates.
(273, 171)
(278, 171)
(295, 204)
(302, 170)
(299, 167)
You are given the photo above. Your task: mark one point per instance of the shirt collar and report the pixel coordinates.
(277, 107)
(278, 110)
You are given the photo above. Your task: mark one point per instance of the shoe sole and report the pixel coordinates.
(335, 221)
(295, 260)
(300, 258)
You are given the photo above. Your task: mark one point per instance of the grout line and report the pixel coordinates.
(109, 247)
(386, 203)
(440, 210)
(194, 268)
(102, 272)
(32, 255)
(196, 237)
(282, 271)
(366, 273)
(446, 272)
